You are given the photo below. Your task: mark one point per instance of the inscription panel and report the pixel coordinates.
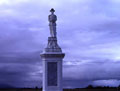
(52, 73)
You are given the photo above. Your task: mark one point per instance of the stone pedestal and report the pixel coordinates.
(52, 66)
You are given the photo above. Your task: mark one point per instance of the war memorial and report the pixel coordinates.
(52, 57)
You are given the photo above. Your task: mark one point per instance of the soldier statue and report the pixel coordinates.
(52, 23)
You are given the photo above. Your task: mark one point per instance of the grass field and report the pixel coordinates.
(63, 90)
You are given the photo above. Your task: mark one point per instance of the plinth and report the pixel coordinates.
(52, 66)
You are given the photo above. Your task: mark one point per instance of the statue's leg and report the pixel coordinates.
(51, 31)
(54, 31)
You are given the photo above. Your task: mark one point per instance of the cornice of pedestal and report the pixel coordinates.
(52, 55)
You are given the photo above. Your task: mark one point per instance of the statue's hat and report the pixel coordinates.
(52, 10)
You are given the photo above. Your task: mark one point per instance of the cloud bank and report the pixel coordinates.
(88, 32)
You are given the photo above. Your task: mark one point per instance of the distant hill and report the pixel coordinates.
(6, 86)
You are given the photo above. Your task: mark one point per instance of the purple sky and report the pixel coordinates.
(88, 32)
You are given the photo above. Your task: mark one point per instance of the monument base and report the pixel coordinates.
(52, 71)
(52, 66)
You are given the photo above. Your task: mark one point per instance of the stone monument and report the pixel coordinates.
(52, 57)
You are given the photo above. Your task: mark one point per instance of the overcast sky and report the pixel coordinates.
(88, 32)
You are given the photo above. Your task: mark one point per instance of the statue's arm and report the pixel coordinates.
(49, 18)
(56, 18)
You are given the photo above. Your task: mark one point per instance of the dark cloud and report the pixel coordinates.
(90, 72)
(23, 70)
